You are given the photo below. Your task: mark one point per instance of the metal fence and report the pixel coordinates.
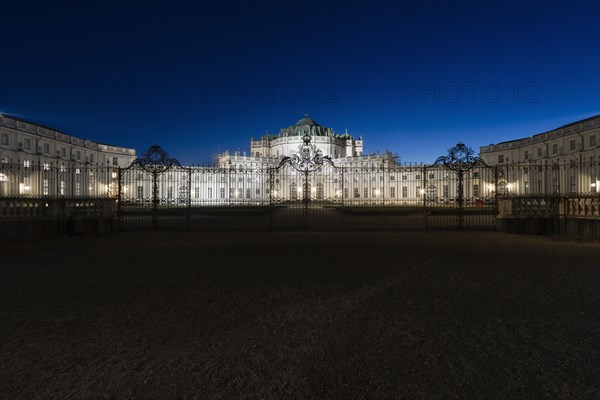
(306, 193)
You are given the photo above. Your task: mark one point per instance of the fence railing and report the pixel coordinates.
(262, 197)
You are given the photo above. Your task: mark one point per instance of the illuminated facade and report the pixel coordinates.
(563, 160)
(36, 160)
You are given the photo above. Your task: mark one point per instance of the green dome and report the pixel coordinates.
(304, 126)
(306, 121)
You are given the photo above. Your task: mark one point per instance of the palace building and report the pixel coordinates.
(305, 161)
(343, 149)
(563, 160)
(27, 148)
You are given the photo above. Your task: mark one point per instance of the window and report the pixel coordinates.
(46, 148)
(476, 190)
(539, 151)
(403, 177)
(26, 184)
(78, 154)
(257, 192)
(445, 191)
(45, 187)
(170, 192)
(500, 159)
(4, 160)
(27, 144)
(209, 195)
(417, 177)
(196, 192)
(356, 193)
(475, 174)
(140, 192)
(366, 193)
(4, 139)
(346, 192)
(526, 154)
(232, 193)
(26, 163)
(63, 152)
(46, 166)
(248, 193)
(115, 161)
(77, 171)
(418, 192)
(91, 158)
(392, 192)
(222, 193)
(404, 191)
(554, 148)
(572, 145)
(431, 176)
(77, 188)
(62, 188)
(593, 140)
(392, 177)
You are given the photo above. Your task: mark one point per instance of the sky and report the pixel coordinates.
(414, 77)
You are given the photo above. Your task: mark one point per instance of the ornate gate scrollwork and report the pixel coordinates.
(308, 160)
(460, 160)
(155, 161)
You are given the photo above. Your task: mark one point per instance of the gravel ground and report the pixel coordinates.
(381, 315)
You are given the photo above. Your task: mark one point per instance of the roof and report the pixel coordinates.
(306, 121)
(552, 130)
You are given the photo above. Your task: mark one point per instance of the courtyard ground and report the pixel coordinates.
(377, 315)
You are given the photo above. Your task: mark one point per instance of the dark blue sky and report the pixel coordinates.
(195, 77)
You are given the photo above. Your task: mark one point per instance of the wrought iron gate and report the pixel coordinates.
(307, 191)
